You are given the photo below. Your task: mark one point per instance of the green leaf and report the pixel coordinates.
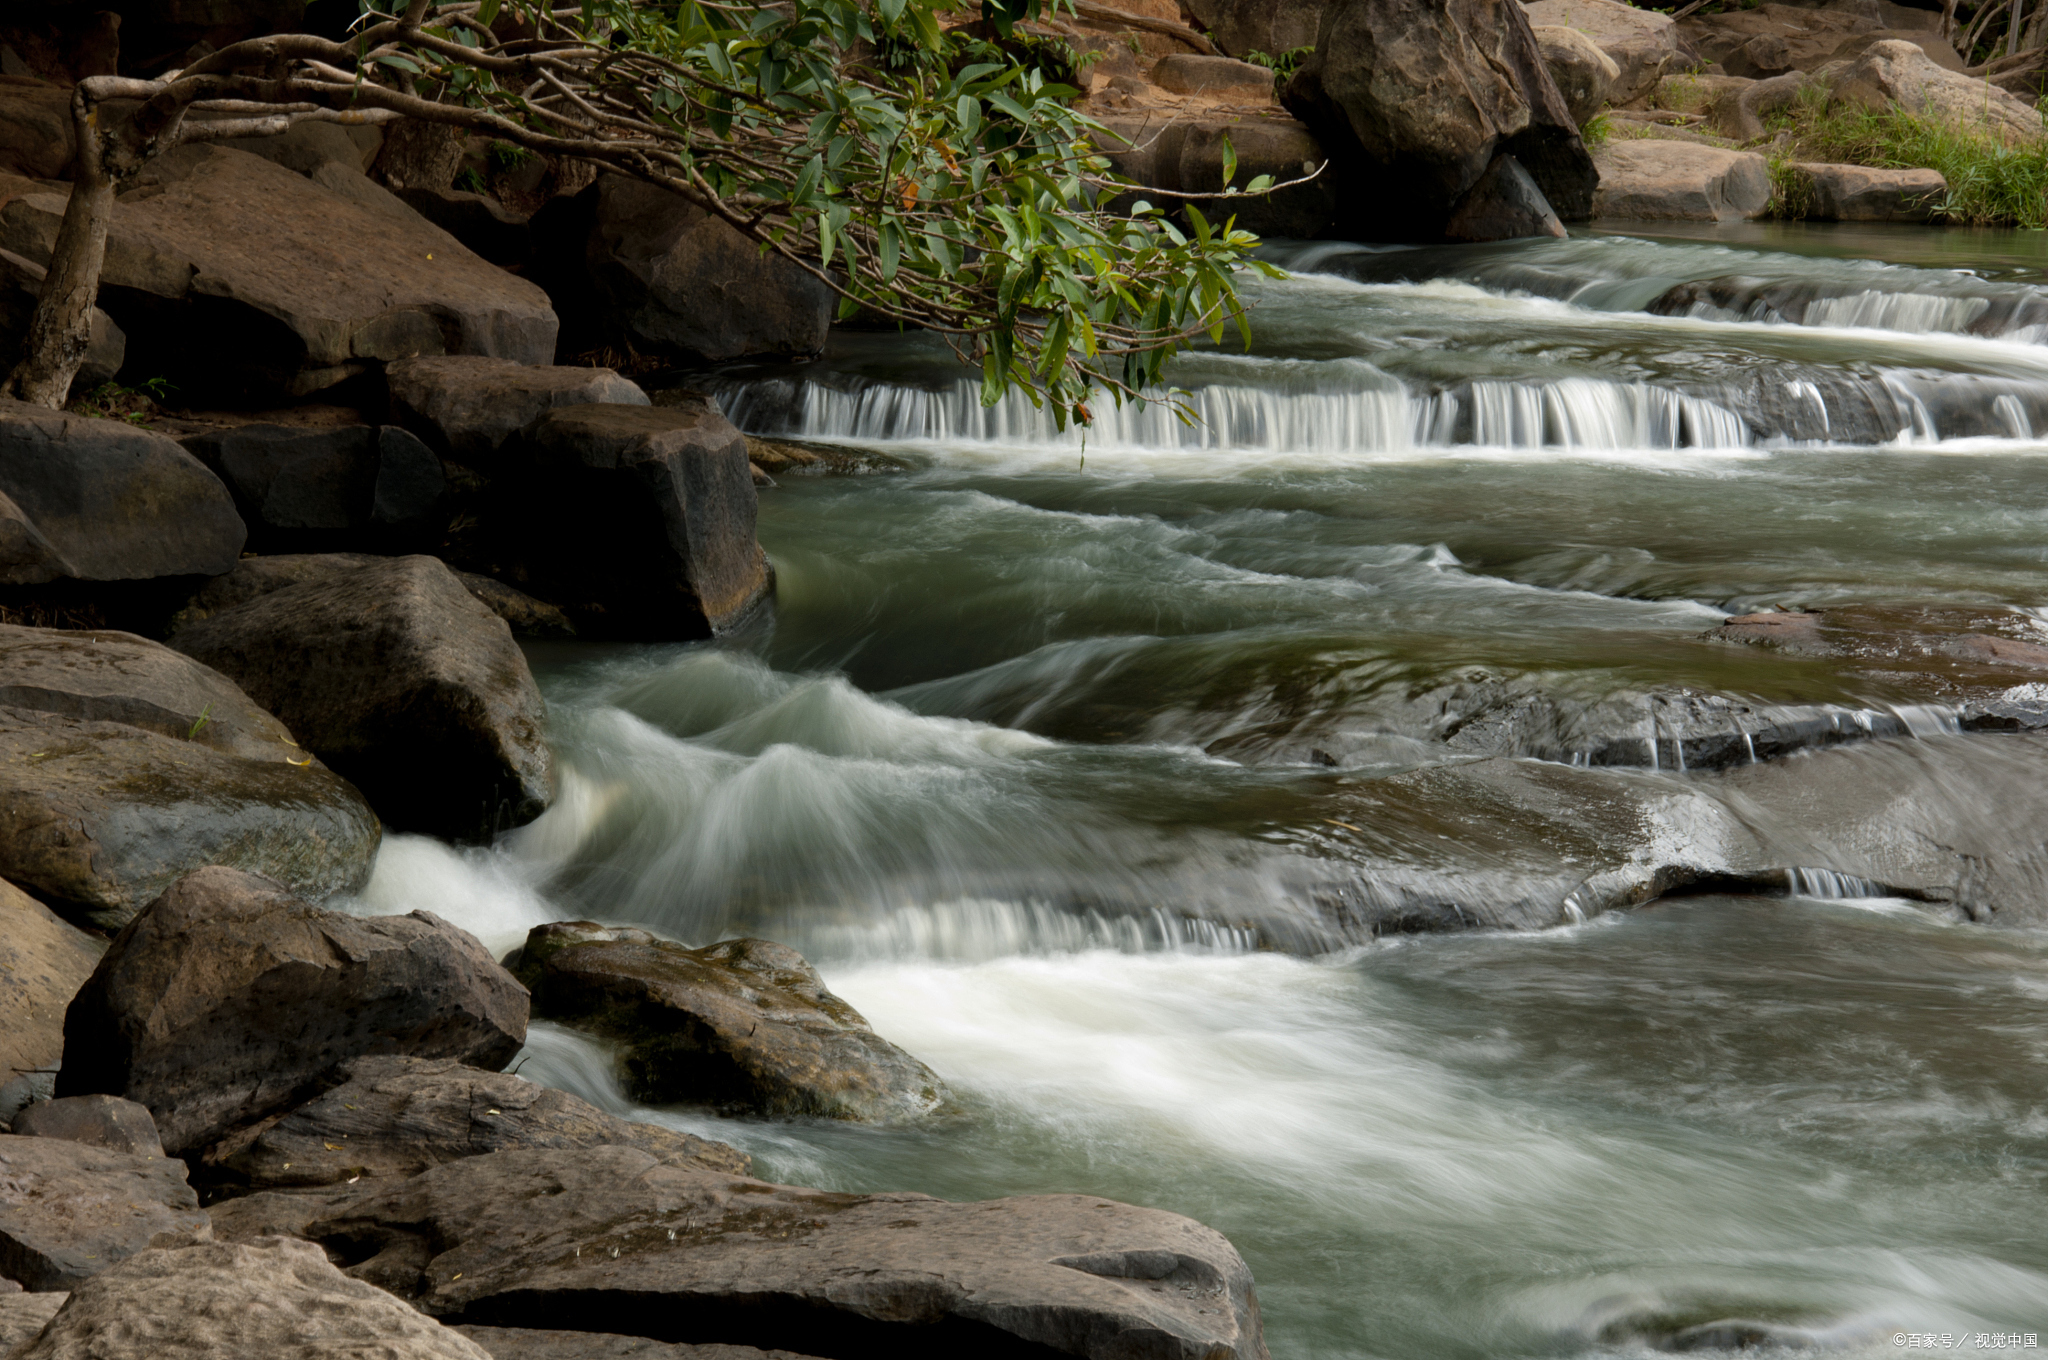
(488, 11)
(807, 180)
(969, 112)
(1229, 161)
(888, 248)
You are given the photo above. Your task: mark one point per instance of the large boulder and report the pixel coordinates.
(399, 679)
(468, 407)
(233, 276)
(43, 963)
(1681, 180)
(527, 1238)
(1184, 154)
(387, 1118)
(258, 576)
(1899, 74)
(97, 818)
(634, 265)
(21, 287)
(1505, 205)
(68, 1211)
(1414, 99)
(339, 486)
(1642, 43)
(263, 1300)
(1861, 193)
(743, 1025)
(22, 1315)
(107, 501)
(36, 137)
(1274, 27)
(641, 518)
(228, 997)
(1583, 73)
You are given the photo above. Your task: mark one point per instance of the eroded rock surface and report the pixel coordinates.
(22, 1315)
(68, 1211)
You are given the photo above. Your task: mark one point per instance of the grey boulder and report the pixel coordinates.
(400, 680)
(68, 1211)
(467, 407)
(1505, 205)
(1642, 43)
(227, 998)
(301, 487)
(97, 1121)
(1584, 74)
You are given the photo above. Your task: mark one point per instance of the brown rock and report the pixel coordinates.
(521, 1343)
(1861, 193)
(467, 407)
(1213, 77)
(2003, 651)
(36, 136)
(97, 1121)
(1780, 629)
(1641, 43)
(1505, 205)
(1583, 73)
(22, 1314)
(1660, 179)
(68, 1211)
(43, 963)
(1900, 74)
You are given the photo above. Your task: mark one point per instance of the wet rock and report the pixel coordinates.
(510, 1239)
(1184, 153)
(400, 680)
(468, 407)
(740, 1025)
(68, 1211)
(387, 1118)
(97, 818)
(43, 963)
(1582, 72)
(1505, 205)
(97, 1121)
(1659, 179)
(111, 502)
(227, 997)
(22, 1314)
(1936, 654)
(332, 285)
(785, 458)
(1899, 74)
(240, 1301)
(1213, 77)
(21, 284)
(520, 1343)
(299, 487)
(635, 265)
(1414, 101)
(648, 513)
(1641, 43)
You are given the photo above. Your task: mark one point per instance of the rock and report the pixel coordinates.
(328, 288)
(510, 1238)
(634, 265)
(22, 1315)
(43, 963)
(1642, 43)
(23, 1091)
(1764, 56)
(112, 502)
(304, 148)
(419, 155)
(389, 1118)
(1505, 205)
(21, 283)
(1658, 179)
(1274, 27)
(1933, 44)
(254, 577)
(522, 613)
(37, 140)
(1900, 74)
(1213, 77)
(468, 407)
(97, 1121)
(1858, 193)
(402, 682)
(1689, 93)
(1414, 100)
(521, 1343)
(227, 997)
(240, 1301)
(648, 512)
(740, 1025)
(97, 818)
(301, 487)
(1185, 155)
(483, 224)
(1582, 73)
(68, 1211)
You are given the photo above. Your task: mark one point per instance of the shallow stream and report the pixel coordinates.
(1058, 753)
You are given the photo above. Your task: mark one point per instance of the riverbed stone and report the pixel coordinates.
(1861, 193)
(387, 1118)
(97, 1121)
(228, 997)
(37, 139)
(44, 960)
(1680, 180)
(522, 1343)
(1583, 73)
(1505, 205)
(239, 1301)
(1184, 154)
(683, 1255)
(741, 1025)
(467, 407)
(1900, 75)
(400, 680)
(68, 1211)
(1642, 43)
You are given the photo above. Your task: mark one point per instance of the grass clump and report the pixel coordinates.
(1596, 132)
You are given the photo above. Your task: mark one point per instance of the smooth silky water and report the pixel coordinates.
(1040, 756)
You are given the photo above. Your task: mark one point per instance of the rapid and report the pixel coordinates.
(1115, 774)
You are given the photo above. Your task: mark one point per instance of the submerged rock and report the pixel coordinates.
(741, 1025)
(229, 997)
(68, 1211)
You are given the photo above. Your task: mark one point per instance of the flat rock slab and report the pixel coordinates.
(68, 1211)
(404, 683)
(97, 1121)
(44, 960)
(530, 1238)
(519, 1343)
(228, 997)
(269, 1300)
(741, 1025)
(390, 1118)
(1659, 179)
(98, 818)
(467, 406)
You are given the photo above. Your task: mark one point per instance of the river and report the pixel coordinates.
(1068, 761)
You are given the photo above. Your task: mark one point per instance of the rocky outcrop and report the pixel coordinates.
(396, 677)
(1898, 74)
(240, 1301)
(1860, 193)
(388, 1118)
(1583, 74)
(522, 1343)
(1642, 43)
(104, 501)
(68, 1211)
(468, 407)
(480, 222)
(742, 1025)
(1415, 100)
(1661, 179)
(228, 997)
(43, 963)
(634, 265)
(97, 1121)
(333, 282)
(530, 1238)
(97, 818)
(300, 488)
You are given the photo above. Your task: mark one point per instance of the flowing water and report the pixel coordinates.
(1069, 760)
